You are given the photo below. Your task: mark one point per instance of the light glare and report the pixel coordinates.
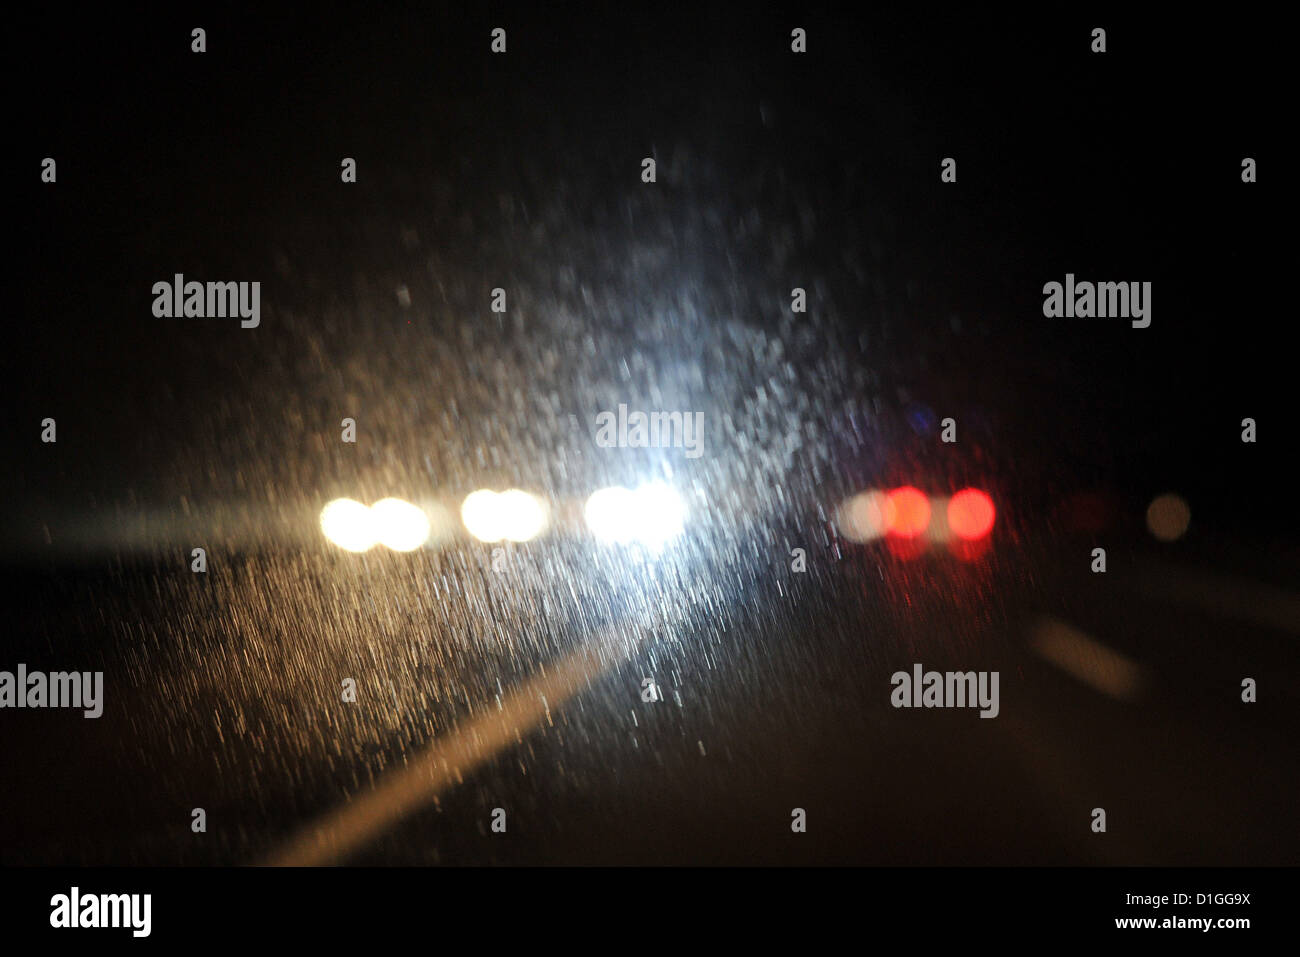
(861, 518)
(906, 512)
(651, 515)
(401, 526)
(971, 514)
(523, 516)
(348, 524)
(492, 516)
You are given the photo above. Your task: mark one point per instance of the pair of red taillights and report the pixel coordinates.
(907, 513)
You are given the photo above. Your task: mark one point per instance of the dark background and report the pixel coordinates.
(1112, 166)
(523, 171)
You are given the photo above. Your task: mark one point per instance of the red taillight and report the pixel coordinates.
(971, 514)
(906, 512)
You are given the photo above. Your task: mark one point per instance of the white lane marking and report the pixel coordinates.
(1079, 654)
(447, 761)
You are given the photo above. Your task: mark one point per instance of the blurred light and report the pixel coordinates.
(492, 516)
(1087, 659)
(971, 514)
(348, 524)
(1168, 517)
(861, 518)
(906, 512)
(479, 513)
(401, 526)
(611, 514)
(921, 418)
(651, 515)
(523, 516)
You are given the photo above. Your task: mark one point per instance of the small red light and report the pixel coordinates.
(906, 512)
(970, 514)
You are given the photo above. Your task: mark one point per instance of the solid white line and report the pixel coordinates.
(445, 762)
(1087, 659)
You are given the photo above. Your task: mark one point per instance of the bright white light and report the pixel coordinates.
(492, 516)
(651, 515)
(401, 526)
(611, 514)
(348, 524)
(479, 513)
(662, 514)
(523, 516)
